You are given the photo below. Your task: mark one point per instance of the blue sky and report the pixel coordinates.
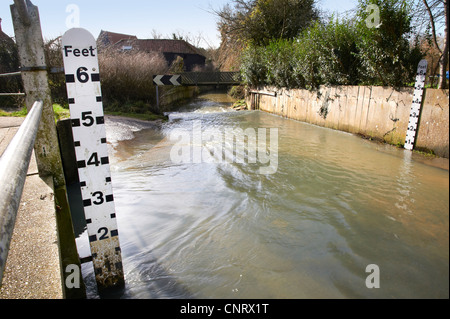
(139, 17)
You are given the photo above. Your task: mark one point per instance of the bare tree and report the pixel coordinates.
(261, 21)
(433, 14)
(156, 35)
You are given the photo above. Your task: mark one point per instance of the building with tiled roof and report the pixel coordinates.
(107, 38)
(171, 49)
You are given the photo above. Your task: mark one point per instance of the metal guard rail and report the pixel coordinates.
(14, 165)
(4, 75)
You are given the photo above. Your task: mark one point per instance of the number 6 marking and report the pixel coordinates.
(82, 76)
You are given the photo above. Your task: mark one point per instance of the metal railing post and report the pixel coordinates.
(14, 165)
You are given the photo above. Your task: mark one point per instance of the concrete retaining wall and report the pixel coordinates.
(378, 112)
(173, 96)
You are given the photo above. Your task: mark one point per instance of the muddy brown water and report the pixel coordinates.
(336, 204)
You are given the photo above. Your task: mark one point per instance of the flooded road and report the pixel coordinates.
(334, 205)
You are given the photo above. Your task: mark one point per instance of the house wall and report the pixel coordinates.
(190, 60)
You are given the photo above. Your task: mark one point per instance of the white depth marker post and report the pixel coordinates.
(411, 134)
(81, 66)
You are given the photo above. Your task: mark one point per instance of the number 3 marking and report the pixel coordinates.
(100, 200)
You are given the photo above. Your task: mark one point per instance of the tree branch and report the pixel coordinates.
(433, 25)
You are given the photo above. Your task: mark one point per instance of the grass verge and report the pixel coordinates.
(139, 116)
(62, 113)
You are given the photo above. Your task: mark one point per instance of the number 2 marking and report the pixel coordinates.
(105, 233)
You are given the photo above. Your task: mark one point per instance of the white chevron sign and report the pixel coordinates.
(162, 80)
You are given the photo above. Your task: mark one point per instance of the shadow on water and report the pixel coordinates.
(152, 280)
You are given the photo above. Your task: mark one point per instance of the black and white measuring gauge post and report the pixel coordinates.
(413, 124)
(81, 66)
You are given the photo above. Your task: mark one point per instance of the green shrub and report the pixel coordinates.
(237, 92)
(337, 53)
(385, 51)
(307, 58)
(254, 67)
(340, 52)
(279, 59)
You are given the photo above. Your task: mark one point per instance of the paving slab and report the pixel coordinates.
(33, 266)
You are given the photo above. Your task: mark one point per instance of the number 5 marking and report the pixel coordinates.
(89, 120)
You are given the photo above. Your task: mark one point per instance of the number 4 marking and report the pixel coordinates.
(94, 160)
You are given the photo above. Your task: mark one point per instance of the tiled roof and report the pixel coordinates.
(112, 38)
(159, 45)
(120, 40)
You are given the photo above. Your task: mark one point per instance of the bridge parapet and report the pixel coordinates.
(210, 78)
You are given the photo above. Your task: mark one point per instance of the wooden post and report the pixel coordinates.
(27, 28)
